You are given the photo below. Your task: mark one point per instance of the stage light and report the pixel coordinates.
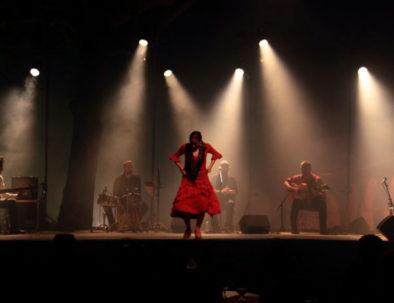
(34, 72)
(168, 73)
(365, 83)
(239, 72)
(143, 42)
(263, 43)
(362, 71)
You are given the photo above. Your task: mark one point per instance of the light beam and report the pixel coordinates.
(185, 112)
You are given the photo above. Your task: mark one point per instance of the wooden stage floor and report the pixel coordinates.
(154, 235)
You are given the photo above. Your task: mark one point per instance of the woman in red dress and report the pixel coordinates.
(195, 195)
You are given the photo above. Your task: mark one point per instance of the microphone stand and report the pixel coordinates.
(281, 206)
(158, 226)
(158, 199)
(387, 191)
(217, 221)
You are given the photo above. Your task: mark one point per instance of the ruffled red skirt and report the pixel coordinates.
(195, 197)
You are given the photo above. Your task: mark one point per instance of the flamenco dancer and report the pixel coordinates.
(196, 195)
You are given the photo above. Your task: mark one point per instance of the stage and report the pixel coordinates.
(153, 235)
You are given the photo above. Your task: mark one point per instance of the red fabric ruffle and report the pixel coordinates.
(196, 197)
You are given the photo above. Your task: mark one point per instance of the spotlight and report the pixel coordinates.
(168, 73)
(143, 42)
(239, 72)
(263, 43)
(34, 72)
(362, 71)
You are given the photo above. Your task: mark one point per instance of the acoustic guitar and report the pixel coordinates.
(304, 192)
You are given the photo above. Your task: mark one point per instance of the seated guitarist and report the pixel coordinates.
(308, 192)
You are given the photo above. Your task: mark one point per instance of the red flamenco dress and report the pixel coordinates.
(195, 194)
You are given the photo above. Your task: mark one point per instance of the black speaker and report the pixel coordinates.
(359, 226)
(386, 227)
(254, 224)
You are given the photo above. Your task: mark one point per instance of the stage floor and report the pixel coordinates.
(154, 235)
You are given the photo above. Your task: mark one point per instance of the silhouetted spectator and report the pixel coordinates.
(386, 276)
(361, 283)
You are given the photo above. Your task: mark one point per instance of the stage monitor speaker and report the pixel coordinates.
(359, 226)
(386, 227)
(254, 224)
(28, 194)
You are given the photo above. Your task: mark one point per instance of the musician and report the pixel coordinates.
(2, 183)
(9, 198)
(308, 194)
(127, 187)
(226, 189)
